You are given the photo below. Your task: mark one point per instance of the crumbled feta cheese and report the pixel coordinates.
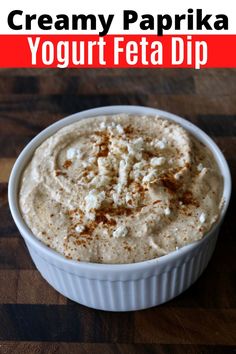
(139, 156)
(77, 216)
(152, 243)
(121, 231)
(150, 176)
(128, 199)
(202, 218)
(136, 174)
(116, 198)
(103, 126)
(79, 154)
(95, 148)
(79, 229)
(91, 175)
(157, 161)
(178, 175)
(90, 216)
(138, 143)
(167, 211)
(119, 129)
(117, 146)
(139, 165)
(104, 165)
(111, 127)
(182, 162)
(100, 181)
(124, 167)
(94, 199)
(71, 153)
(118, 188)
(131, 150)
(203, 171)
(135, 147)
(139, 170)
(85, 164)
(160, 144)
(200, 167)
(91, 160)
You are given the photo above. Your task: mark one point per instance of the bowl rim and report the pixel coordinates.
(29, 149)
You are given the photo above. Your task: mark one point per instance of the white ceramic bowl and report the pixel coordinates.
(123, 287)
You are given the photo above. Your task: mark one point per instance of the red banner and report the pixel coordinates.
(121, 51)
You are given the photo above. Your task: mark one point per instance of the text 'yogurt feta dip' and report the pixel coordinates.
(120, 189)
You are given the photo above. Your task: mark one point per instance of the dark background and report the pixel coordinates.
(34, 318)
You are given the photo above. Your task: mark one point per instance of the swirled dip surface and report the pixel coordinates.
(120, 189)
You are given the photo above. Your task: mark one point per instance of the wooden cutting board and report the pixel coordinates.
(34, 318)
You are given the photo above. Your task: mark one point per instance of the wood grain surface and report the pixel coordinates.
(34, 318)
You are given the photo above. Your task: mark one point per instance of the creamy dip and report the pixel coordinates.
(120, 189)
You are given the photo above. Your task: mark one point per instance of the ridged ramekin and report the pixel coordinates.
(120, 287)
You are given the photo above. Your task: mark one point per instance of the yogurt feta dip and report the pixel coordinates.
(120, 189)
